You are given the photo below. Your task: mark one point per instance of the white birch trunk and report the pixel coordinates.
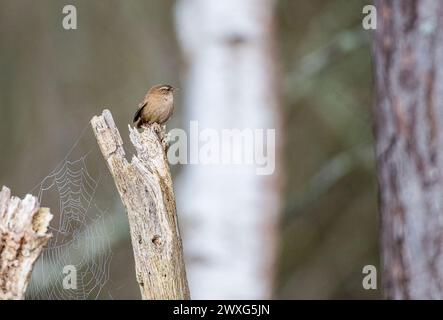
(229, 212)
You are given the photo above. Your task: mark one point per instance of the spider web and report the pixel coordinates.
(80, 235)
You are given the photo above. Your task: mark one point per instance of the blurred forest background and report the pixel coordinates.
(53, 81)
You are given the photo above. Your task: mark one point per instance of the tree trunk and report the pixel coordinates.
(23, 234)
(145, 187)
(231, 212)
(408, 116)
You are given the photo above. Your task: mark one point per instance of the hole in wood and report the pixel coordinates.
(157, 240)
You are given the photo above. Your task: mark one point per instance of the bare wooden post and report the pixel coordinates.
(23, 234)
(145, 187)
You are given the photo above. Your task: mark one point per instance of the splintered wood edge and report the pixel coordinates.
(23, 234)
(107, 135)
(23, 214)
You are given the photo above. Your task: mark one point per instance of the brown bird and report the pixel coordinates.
(156, 107)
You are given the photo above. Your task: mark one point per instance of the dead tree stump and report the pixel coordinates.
(23, 234)
(145, 187)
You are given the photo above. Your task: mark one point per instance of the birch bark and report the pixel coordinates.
(231, 213)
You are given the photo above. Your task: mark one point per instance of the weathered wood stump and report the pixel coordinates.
(23, 234)
(146, 190)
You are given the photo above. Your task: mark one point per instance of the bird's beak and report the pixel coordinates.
(175, 89)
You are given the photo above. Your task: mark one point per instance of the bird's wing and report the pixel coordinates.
(139, 110)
